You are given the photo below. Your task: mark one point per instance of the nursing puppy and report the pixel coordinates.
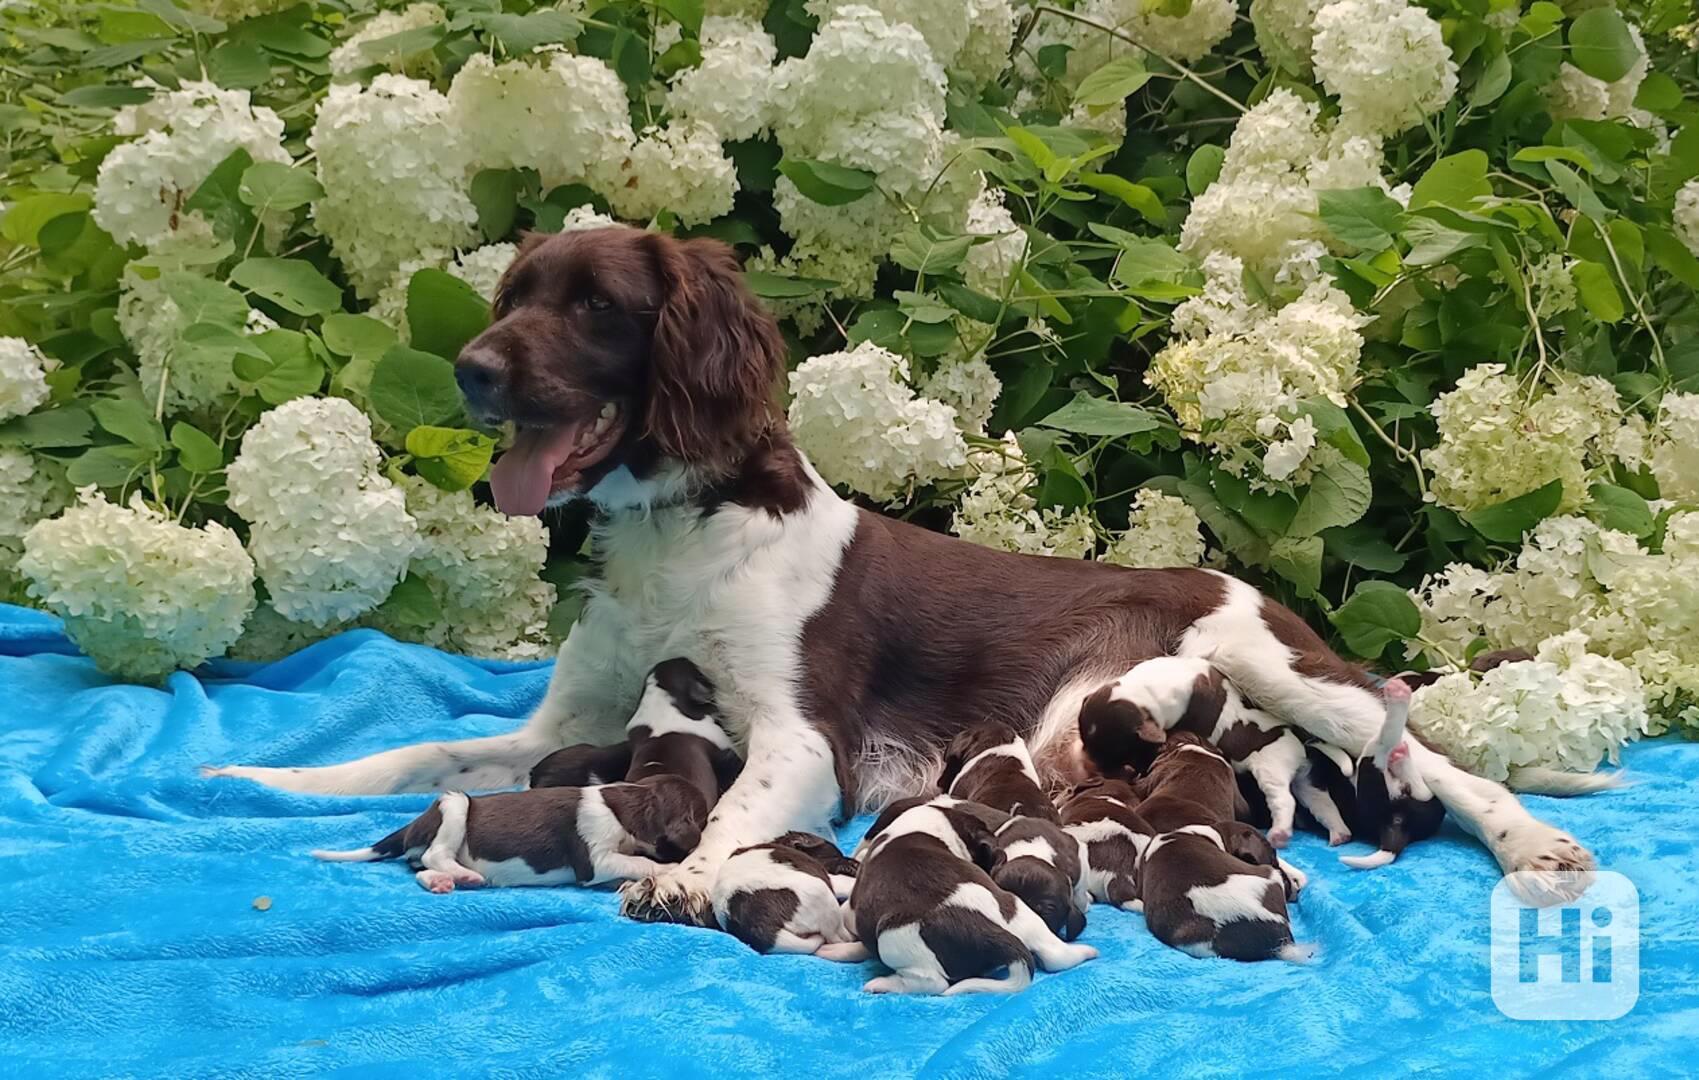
(1201, 899)
(1190, 783)
(1111, 835)
(784, 896)
(986, 816)
(583, 765)
(550, 836)
(1041, 864)
(990, 765)
(924, 905)
(1122, 723)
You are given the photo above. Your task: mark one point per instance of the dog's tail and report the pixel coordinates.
(1018, 978)
(1539, 781)
(390, 847)
(1381, 857)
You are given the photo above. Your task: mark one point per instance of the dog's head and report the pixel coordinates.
(618, 348)
(666, 819)
(1047, 891)
(972, 742)
(1118, 736)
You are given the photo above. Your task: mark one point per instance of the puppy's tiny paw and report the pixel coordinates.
(1342, 836)
(1279, 837)
(436, 881)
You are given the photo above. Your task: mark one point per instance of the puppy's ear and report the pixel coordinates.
(955, 756)
(981, 844)
(727, 765)
(716, 357)
(1148, 730)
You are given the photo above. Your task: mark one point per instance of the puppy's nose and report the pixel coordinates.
(481, 374)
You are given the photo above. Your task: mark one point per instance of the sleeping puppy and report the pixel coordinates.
(784, 896)
(991, 819)
(551, 836)
(990, 765)
(1199, 898)
(1111, 835)
(1190, 783)
(924, 905)
(1041, 865)
(674, 732)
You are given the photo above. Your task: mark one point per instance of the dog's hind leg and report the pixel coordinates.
(443, 854)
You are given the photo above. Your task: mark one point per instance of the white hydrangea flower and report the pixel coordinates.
(1687, 215)
(836, 243)
(1576, 95)
(1183, 37)
(857, 64)
(23, 377)
(140, 594)
(1285, 456)
(1386, 61)
(987, 266)
(859, 421)
(967, 384)
(153, 324)
(563, 115)
(269, 636)
(330, 534)
(1496, 444)
(1453, 604)
(348, 57)
(31, 488)
(945, 27)
(1162, 530)
(395, 170)
(681, 168)
(731, 89)
(483, 267)
(1553, 284)
(1675, 447)
(483, 567)
(997, 509)
(234, 10)
(184, 134)
(1286, 31)
(1566, 709)
(902, 147)
(984, 56)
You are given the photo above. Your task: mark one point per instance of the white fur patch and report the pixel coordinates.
(1036, 848)
(1162, 686)
(1015, 750)
(1238, 898)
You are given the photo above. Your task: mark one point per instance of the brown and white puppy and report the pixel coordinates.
(550, 836)
(1201, 899)
(1123, 723)
(991, 765)
(1189, 783)
(1042, 865)
(924, 905)
(991, 819)
(583, 765)
(1111, 835)
(785, 896)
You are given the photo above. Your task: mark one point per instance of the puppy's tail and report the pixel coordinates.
(1539, 781)
(1382, 857)
(1019, 977)
(389, 847)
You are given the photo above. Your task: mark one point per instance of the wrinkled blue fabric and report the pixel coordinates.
(132, 944)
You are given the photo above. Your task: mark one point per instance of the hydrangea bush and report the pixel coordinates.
(1385, 305)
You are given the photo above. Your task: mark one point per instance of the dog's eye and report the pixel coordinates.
(597, 302)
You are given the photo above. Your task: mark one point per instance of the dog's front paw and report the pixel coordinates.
(677, 894)
(1545, 866)
(1338, 836)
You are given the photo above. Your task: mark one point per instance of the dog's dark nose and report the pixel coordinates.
(481, 374)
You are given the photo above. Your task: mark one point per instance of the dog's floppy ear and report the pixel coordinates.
(982, 846)
(716, 356)
(727, 765)
(955, 756)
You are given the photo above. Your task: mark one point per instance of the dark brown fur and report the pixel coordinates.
(1186, 787)
(997, 781)
(1187, 861)
(583, 765)
(1048, 888)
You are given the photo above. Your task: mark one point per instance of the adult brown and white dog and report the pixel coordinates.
(848, 648)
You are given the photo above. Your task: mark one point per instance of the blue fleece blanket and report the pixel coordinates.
(154, 923)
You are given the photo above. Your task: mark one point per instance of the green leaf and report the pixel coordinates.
(104, 97)
(410, 603)
(1298, 560)
(410, 388)
(451, 458)
(495, 193)
(294, 285)
(1087, 415)
(1432, 243)
(826, 183)
(271, 185)
(1338, 494)
(771, 286)
(1601, 45)
(131, 421)
(1362, 546)
(975, 305)
(1334, 427)
(1111, 83)
(1494, 81)
(25, 217)
(1579, 193)
(923, 307)
(1598, 291)
(108, 467)
(1137, 196)
(519, 34)
(396, 50)
(1505, 522)
(1204, 167)
(1363, 217)
(444, 313)
(1618, 508)
(687, 13)
(49, 428)
(348, 335)
(171, 14)
(218, 199)
(923, 251)
(1455, 181)
(295, 371)
(1377, 614)
(235, 65)
(196, 451)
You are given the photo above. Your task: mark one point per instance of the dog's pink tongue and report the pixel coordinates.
(522, 478)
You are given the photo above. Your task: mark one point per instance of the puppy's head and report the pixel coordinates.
(669, 818)
(1389, 813)
(1117, 735)
(618, 347)
(971, 743)
(1245, 843)
(1046, 890)
(1102, 787)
